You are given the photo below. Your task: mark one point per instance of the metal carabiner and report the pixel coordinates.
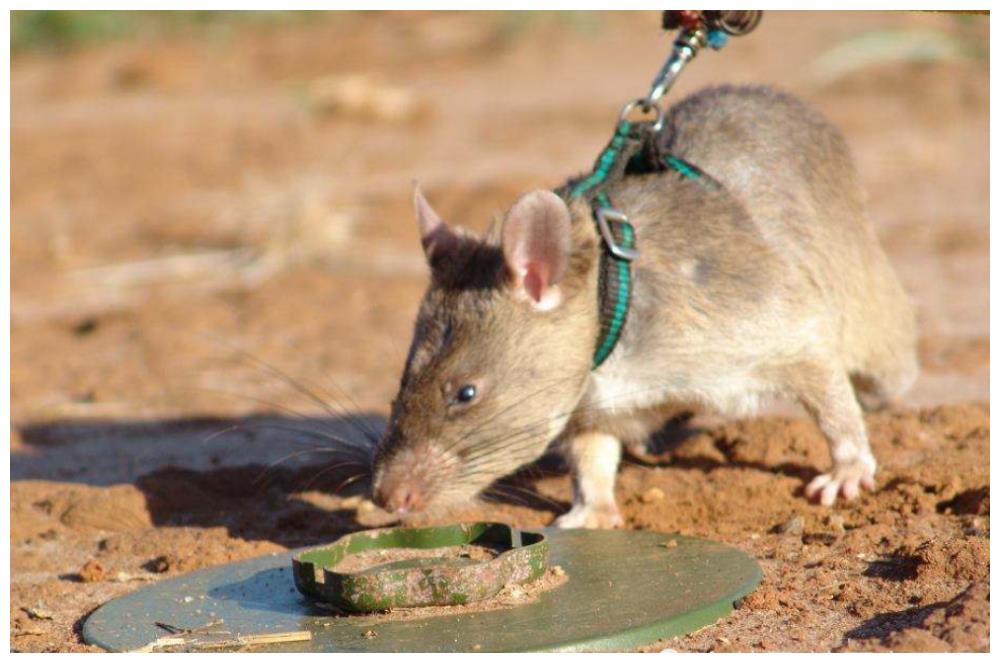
(687, 45)
(646, 106)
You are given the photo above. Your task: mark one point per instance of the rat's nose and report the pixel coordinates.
(402, 498)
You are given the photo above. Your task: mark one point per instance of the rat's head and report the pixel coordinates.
(500, 354)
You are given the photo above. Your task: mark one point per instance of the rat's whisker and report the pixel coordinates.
(295, 454)
(372, 434)
(363, 453)
(326, 471)
(349, 481)
(531, 493)
(219, 433)
(297, 415)
(296, 384)
(493, 494)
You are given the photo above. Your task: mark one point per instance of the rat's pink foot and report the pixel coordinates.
(590, 517)
(845, 479)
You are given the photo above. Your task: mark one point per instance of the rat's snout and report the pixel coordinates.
(408, 475)
(400, 497)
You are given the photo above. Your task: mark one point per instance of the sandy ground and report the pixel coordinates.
(204, 230)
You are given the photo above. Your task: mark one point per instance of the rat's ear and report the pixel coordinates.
(435, 235)
(536, 247)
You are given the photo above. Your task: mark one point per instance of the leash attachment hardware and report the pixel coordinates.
(603, 215)
(698, 29)
(687, 45)
(635, 148)
(647, 106)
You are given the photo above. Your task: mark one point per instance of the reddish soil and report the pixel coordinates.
(188, 213)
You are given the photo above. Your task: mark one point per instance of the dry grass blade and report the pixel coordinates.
(195, 641)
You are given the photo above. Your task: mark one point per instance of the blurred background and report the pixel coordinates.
(208, 207)
(246, 175)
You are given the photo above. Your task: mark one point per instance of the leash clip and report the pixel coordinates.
(609, 213)
(647, 106)
(686, 46)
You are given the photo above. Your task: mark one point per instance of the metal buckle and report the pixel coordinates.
(605, 213)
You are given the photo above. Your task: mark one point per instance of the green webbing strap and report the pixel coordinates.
(614, 283)
(605, 162)
(690, 171)
(614, 287)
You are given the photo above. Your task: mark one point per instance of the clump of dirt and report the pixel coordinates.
(370, 559)
(93, 571)
(961, 624)
(115, 509)
(163, 563)
(975, 501)
(961, 560)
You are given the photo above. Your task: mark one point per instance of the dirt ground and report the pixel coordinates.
(215, 267)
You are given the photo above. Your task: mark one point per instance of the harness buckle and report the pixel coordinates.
(604, 214)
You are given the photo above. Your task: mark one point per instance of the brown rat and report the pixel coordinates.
(773, 285)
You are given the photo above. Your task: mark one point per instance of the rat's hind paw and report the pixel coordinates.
(590, 517)
(845, 479)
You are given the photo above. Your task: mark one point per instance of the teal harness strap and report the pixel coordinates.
(615, 278)
(614, 283)
(605, 162)
(614, 288)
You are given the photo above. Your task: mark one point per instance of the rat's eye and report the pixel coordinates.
(466, 394)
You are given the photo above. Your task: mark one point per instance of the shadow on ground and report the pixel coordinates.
(293, 481)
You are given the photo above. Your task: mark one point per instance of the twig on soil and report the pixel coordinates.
(38, 612)
(124, 576)
(199, 639)
(201, 630)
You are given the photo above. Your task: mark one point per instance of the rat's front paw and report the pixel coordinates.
(590, 517)
(845, 479)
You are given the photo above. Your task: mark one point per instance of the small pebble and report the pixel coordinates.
(93, 571)
(160, 565)
(558, 571)
(836, 522)
(652, 495)
(369, 635)
(793, 526)
(672, 543)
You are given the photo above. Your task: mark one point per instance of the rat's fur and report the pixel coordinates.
(774, 285)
